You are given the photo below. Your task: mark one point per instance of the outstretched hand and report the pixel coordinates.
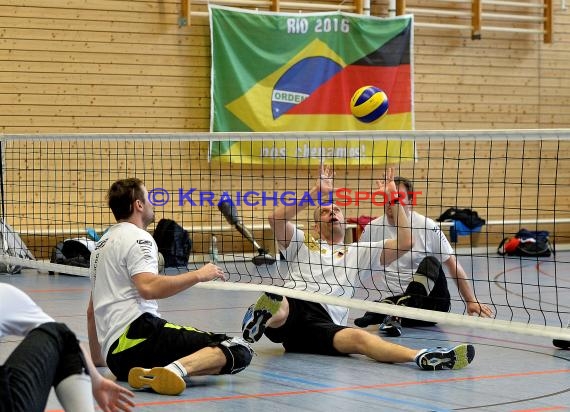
(476, 308)
(210, 272)
(386, 184)
(110, 396)
(325, 183)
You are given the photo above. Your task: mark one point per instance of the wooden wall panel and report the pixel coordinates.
(110, 66)
(102, 55)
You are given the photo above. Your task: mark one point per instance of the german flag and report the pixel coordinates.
(284, 72)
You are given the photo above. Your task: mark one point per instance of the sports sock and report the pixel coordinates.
(420, 353)
(75, 393)
(177, 368)
(426, 282)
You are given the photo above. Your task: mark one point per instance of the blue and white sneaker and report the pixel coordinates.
(446, 358)
(258, 314)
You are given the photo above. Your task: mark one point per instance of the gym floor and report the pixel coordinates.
(510, 372)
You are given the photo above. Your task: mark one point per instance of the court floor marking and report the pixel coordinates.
(348, 388)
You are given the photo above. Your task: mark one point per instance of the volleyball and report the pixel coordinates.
(161, 264)
(369, 103)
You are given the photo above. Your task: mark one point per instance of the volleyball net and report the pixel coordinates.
(53, 188)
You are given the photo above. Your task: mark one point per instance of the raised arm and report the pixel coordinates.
(280, 219)
(474, 307)
(394, 248)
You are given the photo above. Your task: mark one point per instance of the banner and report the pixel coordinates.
(288, 72)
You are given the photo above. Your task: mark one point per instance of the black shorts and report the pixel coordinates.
(308, 329)
(47, 355)
(151, 341)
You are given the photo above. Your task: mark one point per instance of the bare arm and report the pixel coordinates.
(280, 223)
(153, 286)
(395, 248)
(109, 395)
(474, 307)
(280, 219)
(94, 346)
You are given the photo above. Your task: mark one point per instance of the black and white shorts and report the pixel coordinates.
(308, 329)
(151, 341)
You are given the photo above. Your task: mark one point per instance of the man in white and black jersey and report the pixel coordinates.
(416, 279)
(125, 329)
(330, 267)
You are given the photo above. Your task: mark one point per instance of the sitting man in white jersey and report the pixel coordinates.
(49, 356)
(124, 325)
(416, 279)
(329, 266)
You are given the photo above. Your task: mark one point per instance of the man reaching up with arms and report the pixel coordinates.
(328, 266)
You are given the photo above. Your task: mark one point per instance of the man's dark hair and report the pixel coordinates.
(121, 196)
(399, 180)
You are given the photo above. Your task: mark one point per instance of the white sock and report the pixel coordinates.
(420, 353)
(177, 368)
(424, 280)
(75, 394)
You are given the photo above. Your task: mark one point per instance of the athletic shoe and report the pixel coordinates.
(369, 318)
(257, 315)
(561, 343)
(160, 380)
(391, 327)
(446, 358)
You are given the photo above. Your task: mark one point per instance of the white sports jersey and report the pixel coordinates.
(316, 266)
(429, 240)
(19, 314)
(124, 251)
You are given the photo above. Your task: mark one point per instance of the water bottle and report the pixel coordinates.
(214, 256)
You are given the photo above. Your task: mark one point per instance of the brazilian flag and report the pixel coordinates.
(289, 72)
